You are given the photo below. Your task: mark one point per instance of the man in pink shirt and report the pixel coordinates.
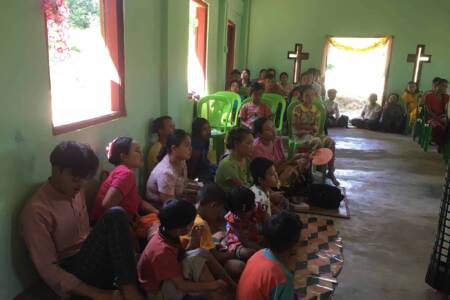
(70, 257)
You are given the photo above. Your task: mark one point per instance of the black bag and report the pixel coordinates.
(324, 196)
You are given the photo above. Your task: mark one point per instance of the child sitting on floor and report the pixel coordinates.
(254, 109)
(120, 188)
(163, 127)
(265, 178)
(242, 237)
(268, 273)
(334, 118)
(169, 178)
(234, 169)
(165, 269)
(210, 219)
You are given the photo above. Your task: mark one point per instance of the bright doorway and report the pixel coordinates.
(198, 27)
(356, 68)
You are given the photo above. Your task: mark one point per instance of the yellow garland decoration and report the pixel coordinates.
(380, 42)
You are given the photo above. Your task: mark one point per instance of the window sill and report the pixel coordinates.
(87, 123)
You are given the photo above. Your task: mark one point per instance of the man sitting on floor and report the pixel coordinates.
(70, 257)
(369, 116)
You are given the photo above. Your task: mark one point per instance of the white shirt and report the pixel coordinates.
(262, 199)
(371, 112)
(332, 108)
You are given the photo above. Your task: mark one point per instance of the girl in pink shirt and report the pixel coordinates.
(120, 188)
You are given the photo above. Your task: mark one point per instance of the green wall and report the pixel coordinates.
(156, 43)
(286, 22)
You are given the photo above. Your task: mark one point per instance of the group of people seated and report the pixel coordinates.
(399, 112)
(222, 230)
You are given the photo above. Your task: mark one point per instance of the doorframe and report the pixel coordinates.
(230, 57)
(390, 41)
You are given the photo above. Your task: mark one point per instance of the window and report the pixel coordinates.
(86, 62)
(198, 17)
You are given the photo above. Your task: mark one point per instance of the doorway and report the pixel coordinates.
(356, 68)
(198, 23)
(231, 35)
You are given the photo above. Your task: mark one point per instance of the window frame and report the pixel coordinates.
(112, 18)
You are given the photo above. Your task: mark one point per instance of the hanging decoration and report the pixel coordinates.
(379, 43)
(56, 16)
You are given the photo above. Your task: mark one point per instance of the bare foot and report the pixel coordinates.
(333, 179)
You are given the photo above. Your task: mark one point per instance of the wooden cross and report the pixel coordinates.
(418, 59)
(298, 55)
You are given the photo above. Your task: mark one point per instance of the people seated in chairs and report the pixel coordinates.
(334, 118)
(393, 116)
(245, 83)
(370, 115)
(234, 169)
(256, 108)
(435, 104)
(261, 76)
(120, 188)
(411, 97)
(169, 178)
(271, 86)
(235, 86)
(306, 131)
(284, 83)
(198, 166)
(163, 127)
(72, 258)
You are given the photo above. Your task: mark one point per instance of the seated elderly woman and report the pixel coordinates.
(305, 128)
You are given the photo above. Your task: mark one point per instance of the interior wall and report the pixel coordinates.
(156, 45)
(410, 22)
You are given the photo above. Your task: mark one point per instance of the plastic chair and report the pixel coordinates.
(236, 105)
(217, 110)
(425, 138)
(277, 105)
(317, 102)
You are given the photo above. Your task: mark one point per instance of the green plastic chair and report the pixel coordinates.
(317, 102)
(236, 102)
(277, 105)
(425, 138)
(217, 110)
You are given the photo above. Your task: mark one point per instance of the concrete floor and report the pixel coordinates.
(394, 190)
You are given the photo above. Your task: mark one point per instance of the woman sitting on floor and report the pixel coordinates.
(199, 165)
(120, 188)
(268, 145)
(169, 178)
(305, 123)
(393, 116)
(234, 169)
